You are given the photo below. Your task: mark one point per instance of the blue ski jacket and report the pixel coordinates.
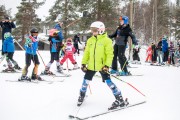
(31, 46)
(8, 45)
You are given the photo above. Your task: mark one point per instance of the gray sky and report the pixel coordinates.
(42, 11)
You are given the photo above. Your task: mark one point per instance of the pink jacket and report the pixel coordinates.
(69, 49)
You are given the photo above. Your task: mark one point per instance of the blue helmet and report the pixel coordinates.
(125, 18)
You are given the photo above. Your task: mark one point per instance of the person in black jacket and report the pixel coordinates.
(159, 51)
(121, 38)
(6, 26)
(76, 39)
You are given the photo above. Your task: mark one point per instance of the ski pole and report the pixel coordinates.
(67, 65)
(128, 84)
(19, 44)
(41, 58)
(124, 65)
(90, 89)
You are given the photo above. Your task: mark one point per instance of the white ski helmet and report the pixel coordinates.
(99, 25)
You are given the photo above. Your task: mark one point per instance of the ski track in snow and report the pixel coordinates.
(43, 101)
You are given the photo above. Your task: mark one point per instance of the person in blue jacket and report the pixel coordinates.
(165, 50)
(6, 26)
(8, 48)
(55, 47)
(58, 27)
(31, 46)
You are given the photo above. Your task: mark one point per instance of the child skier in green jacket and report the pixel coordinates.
(98, 56)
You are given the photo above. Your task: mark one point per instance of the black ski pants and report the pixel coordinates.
(119, 51)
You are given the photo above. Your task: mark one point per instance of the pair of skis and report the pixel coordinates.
(75, 116)
(36, 81)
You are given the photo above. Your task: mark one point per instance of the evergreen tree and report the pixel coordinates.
(26, 17)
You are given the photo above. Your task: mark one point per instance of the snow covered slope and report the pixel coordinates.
(44, 101)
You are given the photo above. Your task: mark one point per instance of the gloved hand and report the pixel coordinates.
(30, 44)
(83, 68)
(105, 69)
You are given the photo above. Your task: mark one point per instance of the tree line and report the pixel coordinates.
(150, 19)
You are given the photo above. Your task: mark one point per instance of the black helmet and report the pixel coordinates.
(34, 30)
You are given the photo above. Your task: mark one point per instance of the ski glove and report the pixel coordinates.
(83, 68)
(105, 69)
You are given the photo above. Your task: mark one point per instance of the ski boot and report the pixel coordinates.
(36, 77)
(122, 73)
(9, 69)
(113, 71)
(75, 66)
(17, 67)
(59, 69)
(119, 102)
(24, 77)
(47, 72)
(81, 98)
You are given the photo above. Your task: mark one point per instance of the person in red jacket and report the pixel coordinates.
(149, 54)
(69, 50)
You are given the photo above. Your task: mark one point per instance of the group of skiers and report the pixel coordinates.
(163, 53)
(99, 55)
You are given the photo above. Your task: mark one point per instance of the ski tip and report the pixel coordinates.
(71, 116)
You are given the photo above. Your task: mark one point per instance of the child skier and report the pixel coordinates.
(55, 47)
(98, 56)
(8, 48)
(31, 46)
(69, 50)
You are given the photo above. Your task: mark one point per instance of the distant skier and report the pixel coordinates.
(149, 54)
(121, 38)
(55, 47)
(69, 50)
(76, 40)
(171, 53)
(9, 48)
(159, 52)
(154, 54)
(98, 57)
(31, 46)
(165, 50)
(136, 57)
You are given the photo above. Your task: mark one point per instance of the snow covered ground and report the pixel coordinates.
(44, 101)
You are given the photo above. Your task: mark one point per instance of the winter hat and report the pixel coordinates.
(6, 18)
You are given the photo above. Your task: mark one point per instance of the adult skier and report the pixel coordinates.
(98, 57)
(6, 26)
(121, 38)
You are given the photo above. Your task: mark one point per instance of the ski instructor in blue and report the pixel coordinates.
(98, 57)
